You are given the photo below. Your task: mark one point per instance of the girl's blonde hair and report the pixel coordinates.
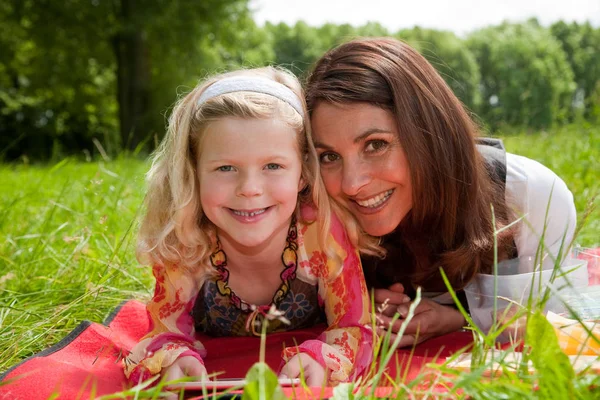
(174, 230)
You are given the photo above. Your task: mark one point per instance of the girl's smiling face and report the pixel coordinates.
(363, 165)
(250, 174)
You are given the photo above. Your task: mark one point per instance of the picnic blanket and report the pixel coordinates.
(87, 362)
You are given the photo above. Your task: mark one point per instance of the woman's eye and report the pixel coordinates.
(376, 145)
(326, 158)
(273, 166)
(225, 168)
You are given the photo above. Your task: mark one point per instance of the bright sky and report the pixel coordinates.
(459, 16)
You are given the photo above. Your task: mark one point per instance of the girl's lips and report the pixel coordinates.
(249, 216)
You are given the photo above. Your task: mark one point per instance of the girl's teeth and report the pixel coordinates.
(249, 214)
(375, 201)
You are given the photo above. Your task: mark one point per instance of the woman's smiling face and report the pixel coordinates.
(363, 165)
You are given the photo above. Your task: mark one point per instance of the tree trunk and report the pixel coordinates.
(133, 77)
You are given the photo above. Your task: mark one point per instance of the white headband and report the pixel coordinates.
(252, 84)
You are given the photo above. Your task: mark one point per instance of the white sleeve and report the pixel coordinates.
(534, 191)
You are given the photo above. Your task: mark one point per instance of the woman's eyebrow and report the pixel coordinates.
(369, 132)
(320, 145)
(358, 139)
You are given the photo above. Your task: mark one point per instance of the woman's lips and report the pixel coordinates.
(374, 204)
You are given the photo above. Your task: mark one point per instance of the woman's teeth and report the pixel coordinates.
(249, 214)
(375, 201)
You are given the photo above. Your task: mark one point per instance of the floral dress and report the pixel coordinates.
(314, 288)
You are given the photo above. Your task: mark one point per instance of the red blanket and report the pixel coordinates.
(88, 360)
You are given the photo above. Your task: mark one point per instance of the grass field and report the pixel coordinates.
(67, 235)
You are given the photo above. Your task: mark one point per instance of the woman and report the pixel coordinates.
(400, 153)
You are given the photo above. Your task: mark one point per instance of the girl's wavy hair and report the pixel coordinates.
(174, 230)
(451, 219)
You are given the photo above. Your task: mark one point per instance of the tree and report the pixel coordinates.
(332, 35)
(297, 47)
(170, 42)
(581, 43)
(57, 91)
(525, 76)
(70, 67)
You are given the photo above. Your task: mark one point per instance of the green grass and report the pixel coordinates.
(67, 238)
(66, 249)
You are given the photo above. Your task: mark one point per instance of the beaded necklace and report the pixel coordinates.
(289, 257)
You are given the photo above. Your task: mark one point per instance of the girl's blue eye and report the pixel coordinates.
(225, 168)
(273, 166)
(327, 158)
(376, 145)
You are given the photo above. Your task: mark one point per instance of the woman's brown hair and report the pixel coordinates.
(450, 224)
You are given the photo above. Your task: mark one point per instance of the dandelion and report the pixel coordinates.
(275, 314)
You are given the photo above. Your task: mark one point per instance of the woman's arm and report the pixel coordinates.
(345, 348)
(172, 335)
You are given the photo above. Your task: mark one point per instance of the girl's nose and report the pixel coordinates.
(250, 186)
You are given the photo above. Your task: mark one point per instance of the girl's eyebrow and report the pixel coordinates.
(268, 158)
(358, 139)
(214, 160)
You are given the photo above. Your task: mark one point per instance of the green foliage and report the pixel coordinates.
(581, 43)
(526, 79)
(295, 47)
(102, 66)
(262, 384)
(554, 368)
(102, 75)
(187, 41)
(56, 86)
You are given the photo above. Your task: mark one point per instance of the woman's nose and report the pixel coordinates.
(250, 185)
(355, 176)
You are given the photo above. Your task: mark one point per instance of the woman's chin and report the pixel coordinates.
(382, 223)
(376, 228)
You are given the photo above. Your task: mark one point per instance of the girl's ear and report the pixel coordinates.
(302, 184)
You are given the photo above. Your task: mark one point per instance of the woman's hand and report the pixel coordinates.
(388, 300)
(184, 366)
(430, 319)
(314, 373)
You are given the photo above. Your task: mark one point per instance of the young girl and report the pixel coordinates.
(230, 230)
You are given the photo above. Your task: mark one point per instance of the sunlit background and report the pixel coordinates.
(458, 16)
(82, 78)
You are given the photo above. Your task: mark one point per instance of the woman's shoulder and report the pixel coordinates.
(520, 168)
(531, 179)
(538, 194)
